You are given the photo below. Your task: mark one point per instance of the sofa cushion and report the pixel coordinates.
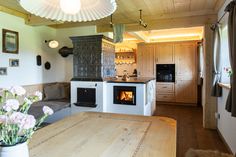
(53, 92)
(65, 91)
(55, 105)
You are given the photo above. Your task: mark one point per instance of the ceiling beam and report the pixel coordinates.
(119, 18)
(33, 20)
(140, 36)
(165, 23)
(12, 12)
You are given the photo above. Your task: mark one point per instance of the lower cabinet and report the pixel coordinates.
(186, 91)
(165, 92)
(182, 91)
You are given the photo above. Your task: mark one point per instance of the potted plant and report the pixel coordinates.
(229, 71)
(16, 125)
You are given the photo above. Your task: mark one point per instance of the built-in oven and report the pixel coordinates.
(165, 72)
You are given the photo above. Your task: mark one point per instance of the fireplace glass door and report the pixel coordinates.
(124, 95)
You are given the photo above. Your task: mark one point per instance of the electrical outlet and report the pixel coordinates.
(217, 115)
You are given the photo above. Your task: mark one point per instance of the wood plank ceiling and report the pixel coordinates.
(157, 13)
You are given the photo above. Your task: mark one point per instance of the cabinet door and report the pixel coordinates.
(145, 60)
(185, 59)
(186, 91)
(186, 76)
(164, 53)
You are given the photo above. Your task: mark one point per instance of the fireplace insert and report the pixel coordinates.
(86, 97)
(124, 95)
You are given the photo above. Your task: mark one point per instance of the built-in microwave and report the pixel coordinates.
(165, 72)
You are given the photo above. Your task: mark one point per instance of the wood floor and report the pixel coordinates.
(191, 134)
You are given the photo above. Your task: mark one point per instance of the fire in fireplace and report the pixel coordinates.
(86, 97)
(125, 95)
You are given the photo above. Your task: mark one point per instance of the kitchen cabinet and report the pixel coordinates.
(186, 91)
(184, 56)
(165, 92)
(164, 53)
(145, 60)
(186, 72)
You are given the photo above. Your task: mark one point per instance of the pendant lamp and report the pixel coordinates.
(70, 10)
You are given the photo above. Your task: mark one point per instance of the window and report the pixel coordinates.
(225, 54)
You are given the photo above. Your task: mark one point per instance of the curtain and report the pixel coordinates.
(200, 63)
(118, 30)
(216, 89)
(231, 101)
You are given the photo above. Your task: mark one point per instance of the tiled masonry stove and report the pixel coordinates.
(93, 61)
(93, 58)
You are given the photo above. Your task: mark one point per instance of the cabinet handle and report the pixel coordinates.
(164, 87)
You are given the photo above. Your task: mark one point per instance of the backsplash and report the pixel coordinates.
(128, 67)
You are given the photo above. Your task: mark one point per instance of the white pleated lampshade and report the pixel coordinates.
(86, 10)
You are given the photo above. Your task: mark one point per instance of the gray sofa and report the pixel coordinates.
(55, 96)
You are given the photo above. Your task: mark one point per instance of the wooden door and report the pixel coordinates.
(186, 72)
(145, 60)
(164, 53)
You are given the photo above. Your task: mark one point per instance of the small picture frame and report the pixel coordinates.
(10, 41)
(3, 71)
(14, 62)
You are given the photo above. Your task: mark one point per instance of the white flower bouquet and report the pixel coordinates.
(16, 125)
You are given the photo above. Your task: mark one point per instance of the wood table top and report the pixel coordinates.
(93, 134)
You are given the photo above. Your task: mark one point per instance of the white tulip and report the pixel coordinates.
(47, 110)
(17, 90)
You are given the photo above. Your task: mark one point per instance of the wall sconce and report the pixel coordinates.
(52, 43)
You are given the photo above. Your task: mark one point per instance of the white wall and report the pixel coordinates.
(226, 124)
(31, 44)
(62, 35)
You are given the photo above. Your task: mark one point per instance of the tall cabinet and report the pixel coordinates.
(184, 56)
(186, 72)
(145, 60)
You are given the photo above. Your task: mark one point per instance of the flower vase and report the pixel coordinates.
(19, 150)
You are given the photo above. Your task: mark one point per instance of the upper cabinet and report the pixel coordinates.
(185, 59)
(145, 60)
(164, 53)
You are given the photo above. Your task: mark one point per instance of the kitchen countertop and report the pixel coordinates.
(139, 80)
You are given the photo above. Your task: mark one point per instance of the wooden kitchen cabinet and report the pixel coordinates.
(164, 53)
(184, 56)
(165, 92)
(186, 91)
(186, 72)
(185, 59)
(145, 60)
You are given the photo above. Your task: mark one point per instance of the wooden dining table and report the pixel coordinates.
(92, 134)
